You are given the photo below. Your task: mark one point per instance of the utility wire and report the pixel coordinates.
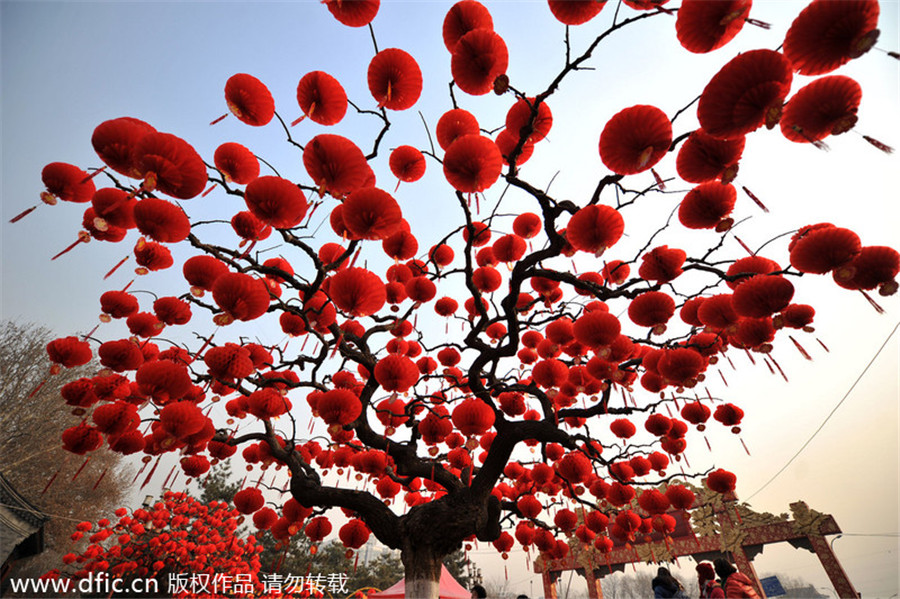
(827, 418)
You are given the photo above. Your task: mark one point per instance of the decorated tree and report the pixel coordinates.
(175, 547)
(526, 374)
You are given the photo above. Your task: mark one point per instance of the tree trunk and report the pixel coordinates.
(423, 572)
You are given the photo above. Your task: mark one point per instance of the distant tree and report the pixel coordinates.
(462, 569)
(67, 487)
(218, 485)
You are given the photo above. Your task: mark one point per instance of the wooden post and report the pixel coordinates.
(839, 579)
(549, 587)
(745, 566)
(595, 591)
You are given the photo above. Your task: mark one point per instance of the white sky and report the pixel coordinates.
(66, 67)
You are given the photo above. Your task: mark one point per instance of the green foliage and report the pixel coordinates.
(218, 485)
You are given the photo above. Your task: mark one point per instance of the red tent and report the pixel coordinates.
(449, 589)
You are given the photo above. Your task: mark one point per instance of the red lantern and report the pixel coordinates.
(472, 163)
(721, 481)
(453, 124)
(116, 140)
(479, 57)
(395, 80)
(707, 206)
(651, 309)
(745, 94)
(762, 295)
(335, 164)
(595, 228)
(353, 13)
(357, 291)
(827, 106)
(339, 407)
(371, 213)
(662, 264)
(575, 12)
(170, 165)
(247, 501)
(473, 417)
(241, 296)
(69, 352)
(66, 182)
(161, 220)
(276, 202)
(706, 25)
(249, 99)
(354, 534)
(635, 139)
(821, 248)
(463, 17)
(828, 34)
(703, 158)
(237, 163)
(322, 98)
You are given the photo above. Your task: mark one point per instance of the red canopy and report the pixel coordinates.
(449, 589)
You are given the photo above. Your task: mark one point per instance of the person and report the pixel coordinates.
(665, 586)
(709, 588)
(734, 583)
(478, 592)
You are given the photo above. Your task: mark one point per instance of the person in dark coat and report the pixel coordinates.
(735, 584)
(665, 586)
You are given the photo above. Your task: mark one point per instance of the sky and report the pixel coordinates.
(68, 66)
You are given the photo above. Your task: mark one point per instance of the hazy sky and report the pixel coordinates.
(66, 67)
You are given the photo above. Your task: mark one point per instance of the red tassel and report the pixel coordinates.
(738, 514)
(883, 147)
(86, 460)
(139, 472)
(208, 190)
(50, 482)
(150, 474)
(659, 182)
(767, 363)
(744, 245)
(755, 199)
(758, 23)
(707, 443)
(825, 347)
(745, 446)
(749, 355)
(96, 484)
(218, 120)
(81, 239)
(723, 378)
(799, 347)
(115, 268)
(36, 389)
(168, 476)
(730, 363)
(94, 174)
(296, 121)
(22, 215)
(779, 369)
(874, 304)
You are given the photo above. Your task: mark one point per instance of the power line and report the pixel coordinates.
(827, 418)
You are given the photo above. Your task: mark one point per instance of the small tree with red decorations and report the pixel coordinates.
(444, 382)
(176, 547)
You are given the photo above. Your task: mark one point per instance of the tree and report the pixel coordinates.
(542, 359)
(64, 486)
(177, 546)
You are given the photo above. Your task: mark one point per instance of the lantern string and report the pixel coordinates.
(830, 414)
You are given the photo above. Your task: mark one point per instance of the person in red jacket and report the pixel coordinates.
(709, 588)
(733, 582)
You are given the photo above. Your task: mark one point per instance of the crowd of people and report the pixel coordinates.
(730, 583)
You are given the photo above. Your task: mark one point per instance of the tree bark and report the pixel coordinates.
(423, 571)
